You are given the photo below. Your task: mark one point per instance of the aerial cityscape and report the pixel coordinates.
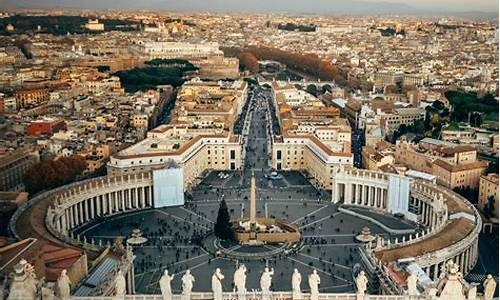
(240, 150)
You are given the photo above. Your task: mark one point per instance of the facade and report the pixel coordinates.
(488, 187)
(31, 97)
(45, 126)
(13, 166)
(459, 175)
(198, 138)
(453, 165)
(94, 25)
(383, 79)
(218, 67)
(314, 138)
(193, 152)
(170, 50)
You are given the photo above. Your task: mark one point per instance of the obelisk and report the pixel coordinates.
(252, 200)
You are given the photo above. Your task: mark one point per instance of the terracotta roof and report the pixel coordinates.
(318, 143)
(460, 167)
(454, 149)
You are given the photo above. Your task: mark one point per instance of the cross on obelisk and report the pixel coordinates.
(252, 199)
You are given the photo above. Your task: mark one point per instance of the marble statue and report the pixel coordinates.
(64, 285)
(489, 287)
(265, 280)
(472, 293)
(120, 284)
(240, 279)
(187, 283)
(314, 282)
(166, 290)
(451, 286)
(296, 280)
(411, 282)
(361, 283)
(217, 284)
(22, 286)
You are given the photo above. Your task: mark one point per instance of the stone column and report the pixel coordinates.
(77, 215)
(436, 272)
(122, 200)
(129, 199)
(356, 194)
(98, 205)
(425, 214)
(72, 214)
(383, 200)
(65, 221)
(349, 193)
(115, 198)
(370, 196)
(136, 199)
(92, 207)
(80, 213)
(141, 197)
(106, 203)
(151, 200)
(67, 211)
(466, 261)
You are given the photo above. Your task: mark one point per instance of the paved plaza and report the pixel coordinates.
(175, 234)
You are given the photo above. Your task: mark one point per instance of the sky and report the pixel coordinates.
(291, 6)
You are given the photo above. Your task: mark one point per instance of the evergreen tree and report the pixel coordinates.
(222, 227)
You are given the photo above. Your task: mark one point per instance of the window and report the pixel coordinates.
(232, 154)
(278, 155)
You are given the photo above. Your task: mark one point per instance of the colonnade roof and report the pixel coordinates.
(452, 233)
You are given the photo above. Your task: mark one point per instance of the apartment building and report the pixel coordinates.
(488, 186)
(13, 166)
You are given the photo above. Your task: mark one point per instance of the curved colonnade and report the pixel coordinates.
(450, 224)
(81, 203)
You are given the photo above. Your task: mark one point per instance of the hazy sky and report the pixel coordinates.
(296, 6)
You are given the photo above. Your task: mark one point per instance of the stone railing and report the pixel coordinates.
(255, 296)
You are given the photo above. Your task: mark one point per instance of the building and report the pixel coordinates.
(193, 152)
(398, 79)
(458, 175)
(488, 187)
(31, 97)
(218, 67)
(94, 25)
(453, 165)
(45, 126)
(198, 138)
(9, 202)
(377, 155)
(170, 50)
(13, 166)
(314, 138)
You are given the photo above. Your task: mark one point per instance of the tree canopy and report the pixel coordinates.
(155, 74)
(465, 103)
(49, 174)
